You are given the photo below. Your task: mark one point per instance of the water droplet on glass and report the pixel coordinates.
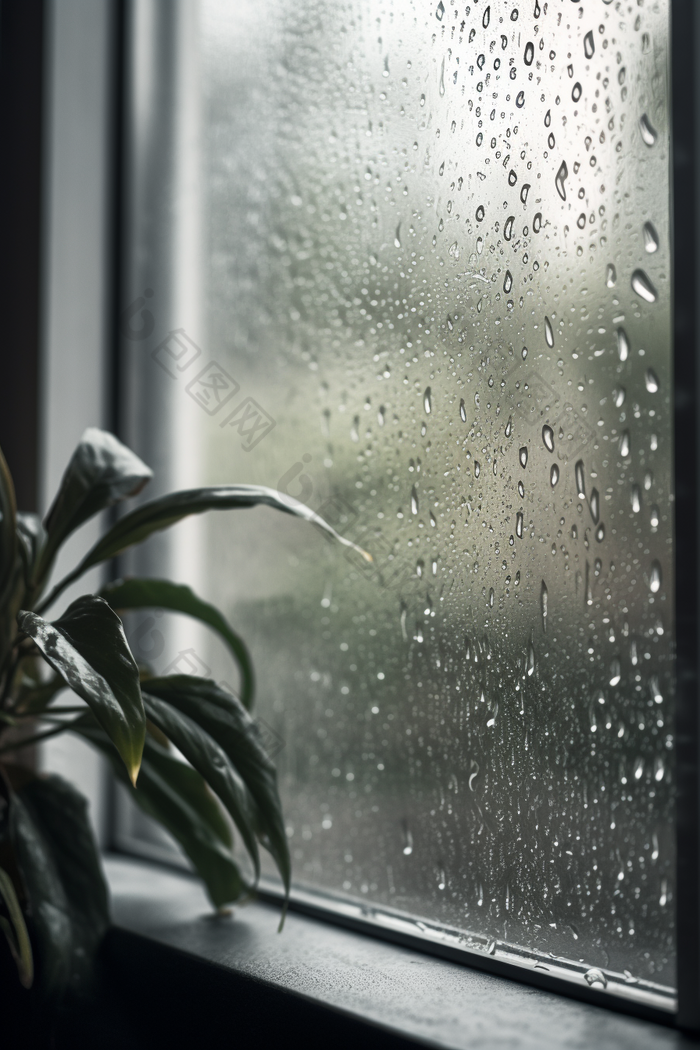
(477, 468)
(638, 768)
(554, 475)
(589, 44)
(651, 238)
(519, 525)
(595, 505)
(619, 396)
(426, 400)
(647, 130)
(407, 839)
(548, 437)
(548, 332)
(658, 768)
(580, 480)
(655, 577)
(509, 427)
(414, 500)
(462, 411)
(544, 598)
(419, 567)
(651, 381)
(663, 899)
(576, 92)
(595, 978)
(615, 673)
(655, 690)
(600, 533)
(440, 11)
(508, 227)
(625, 444)
(529, 53)
(636, 499)
(643, 286)
(441, 89)
(508, 282)
(521, 490)
(522, 456)
(355, 429)
(610, 276)
(623, 344)
(654, 517)
(432, 519)
(561, 177)
(441, 879)
(397, 237)
(474, 773)
(486, 17)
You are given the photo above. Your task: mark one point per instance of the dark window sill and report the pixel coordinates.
(190, 976)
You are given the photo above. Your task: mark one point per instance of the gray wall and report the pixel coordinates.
(75, 384)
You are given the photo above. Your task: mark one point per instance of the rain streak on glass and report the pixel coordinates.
(449, 286)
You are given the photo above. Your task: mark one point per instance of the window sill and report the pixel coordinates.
(200, 976)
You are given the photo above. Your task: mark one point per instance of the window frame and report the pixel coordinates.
(685, 178)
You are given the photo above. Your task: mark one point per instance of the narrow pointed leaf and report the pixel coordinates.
(167, 510)
(48, 907)
(101, 472)
(210, 761)
(177, 797)
(8, 524)
(87, 647)
(60, 815)
(225, 719)
(16, 934)
(162, 594)
(31, 537)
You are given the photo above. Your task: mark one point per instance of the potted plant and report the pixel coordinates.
(53, 898)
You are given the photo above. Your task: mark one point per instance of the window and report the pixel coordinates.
(411, 263)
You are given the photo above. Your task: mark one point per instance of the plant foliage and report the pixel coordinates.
(188, 751)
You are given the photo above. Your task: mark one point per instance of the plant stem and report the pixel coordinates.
(35, 739)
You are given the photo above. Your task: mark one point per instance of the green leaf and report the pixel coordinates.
(178, 798)
(225, 719)
(101, 472)
(33, 698)
(48, 906)
(210, 761)
(87, 647)
(31, 537)
(167, 510)
(162, 594)
(16, 934)
(59, 814)
(8, 524)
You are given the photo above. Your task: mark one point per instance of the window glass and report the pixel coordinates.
(437, 309)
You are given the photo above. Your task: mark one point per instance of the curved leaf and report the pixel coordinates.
(167, 510)
(8, 524)
(210, 761)
(176, 597)
(177, 797)
(225, 719)
(101, 472)
(31, 537)
(60, 815)
(16, 934)
(48, 906)
(87, 647)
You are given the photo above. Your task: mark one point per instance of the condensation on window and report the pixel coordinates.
(438, 282)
